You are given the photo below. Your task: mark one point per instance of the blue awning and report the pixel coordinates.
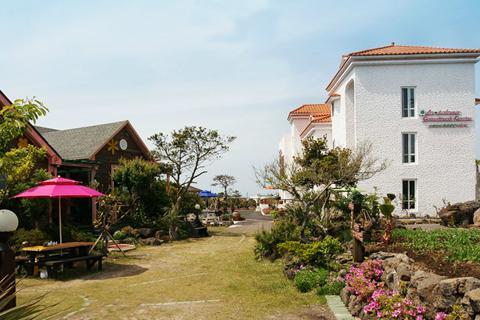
(207, 194)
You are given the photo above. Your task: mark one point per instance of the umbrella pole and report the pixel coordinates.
(60, 226)
(60, 217)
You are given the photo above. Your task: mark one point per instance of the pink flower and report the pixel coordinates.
(441, 316)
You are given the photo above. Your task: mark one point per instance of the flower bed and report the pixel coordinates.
(389, 288)
(447, 252)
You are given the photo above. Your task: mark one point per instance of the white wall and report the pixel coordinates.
(286, 148)
(323, 130)
(339, 119)
(298, 125)
(288, 152)
(445, 166)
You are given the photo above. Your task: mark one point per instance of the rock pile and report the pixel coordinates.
(460, 214)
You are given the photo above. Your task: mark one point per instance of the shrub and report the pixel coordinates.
(130, 232)
(268, 241)
(69, 233)
(331, 288)
(119, 235)
(320, 253)
(306, 280)
(74, 234)
(33, 237)
(139, 181)
(457, 313)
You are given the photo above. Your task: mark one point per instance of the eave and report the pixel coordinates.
(398, 59)
(311, 128)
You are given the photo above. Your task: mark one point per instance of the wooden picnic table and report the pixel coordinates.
(58, 247)
(37, 255)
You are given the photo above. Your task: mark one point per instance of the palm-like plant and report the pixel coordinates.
(172, 220)
(27, 311)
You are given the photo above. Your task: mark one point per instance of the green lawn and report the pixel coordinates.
(210, 278)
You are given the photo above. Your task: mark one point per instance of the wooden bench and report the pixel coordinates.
(90, 260)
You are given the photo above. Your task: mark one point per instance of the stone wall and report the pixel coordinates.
(432, 290)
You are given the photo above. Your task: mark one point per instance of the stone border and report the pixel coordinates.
(338, 309)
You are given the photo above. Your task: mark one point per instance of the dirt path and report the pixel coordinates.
(210, 278)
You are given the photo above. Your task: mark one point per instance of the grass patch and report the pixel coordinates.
(209, 278)
(456, 244)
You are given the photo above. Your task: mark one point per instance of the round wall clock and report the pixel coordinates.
(123, 144)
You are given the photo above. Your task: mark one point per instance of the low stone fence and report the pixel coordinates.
(432, 290)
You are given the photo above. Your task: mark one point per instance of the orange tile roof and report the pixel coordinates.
(327, 118)
(324, 118)
(398, 50)
(477, 101)
(310, 109)
(394, 49)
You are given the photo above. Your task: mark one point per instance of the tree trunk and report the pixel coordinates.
(172, 232)
(304, 225)
(358, 251)
(177, 204)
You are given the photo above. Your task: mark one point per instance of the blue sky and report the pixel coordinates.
(236, 66)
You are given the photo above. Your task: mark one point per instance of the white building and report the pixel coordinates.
(415, 105)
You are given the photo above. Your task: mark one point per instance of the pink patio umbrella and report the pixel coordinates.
(59, 188)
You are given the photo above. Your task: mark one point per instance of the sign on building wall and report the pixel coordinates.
(445, 119)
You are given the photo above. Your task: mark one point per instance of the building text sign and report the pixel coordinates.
(445, 119)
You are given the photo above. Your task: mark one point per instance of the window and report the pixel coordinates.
(333, 108)
(408, 102)
(409, 147)
(409, 188)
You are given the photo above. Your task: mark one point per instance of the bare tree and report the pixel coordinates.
(313, 175)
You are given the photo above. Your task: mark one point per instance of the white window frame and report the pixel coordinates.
(333, 108)
(411, 109)
(406, 197)
(409, 153)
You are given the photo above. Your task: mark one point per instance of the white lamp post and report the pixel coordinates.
(8, 221)
(197, 222)
(8, 224)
